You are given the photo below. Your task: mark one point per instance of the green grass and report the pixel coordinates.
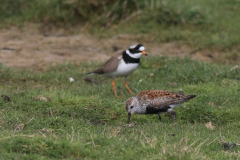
(199, 23)
(63, 128)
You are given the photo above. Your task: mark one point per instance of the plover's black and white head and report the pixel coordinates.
(122, 65)
(155, 102)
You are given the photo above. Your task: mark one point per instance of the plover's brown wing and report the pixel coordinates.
(160, 98)
(110, 66)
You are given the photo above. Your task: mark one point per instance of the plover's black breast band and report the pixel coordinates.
(128, 59)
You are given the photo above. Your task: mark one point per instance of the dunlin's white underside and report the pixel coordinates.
(175, 105)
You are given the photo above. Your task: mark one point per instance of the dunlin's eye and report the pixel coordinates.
(131, 107)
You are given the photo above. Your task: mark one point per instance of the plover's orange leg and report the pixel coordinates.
(127, 86)
(113, 85)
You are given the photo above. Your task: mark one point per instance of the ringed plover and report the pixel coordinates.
(122, 65)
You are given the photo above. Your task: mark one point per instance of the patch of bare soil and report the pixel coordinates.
(28, 48)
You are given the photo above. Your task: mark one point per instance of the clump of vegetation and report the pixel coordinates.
(172, 17)
(67, 12)
(197, 23)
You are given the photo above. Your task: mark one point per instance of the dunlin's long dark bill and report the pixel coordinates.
(129, 117)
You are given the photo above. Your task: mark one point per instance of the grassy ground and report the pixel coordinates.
(65, 128)
(200, 23)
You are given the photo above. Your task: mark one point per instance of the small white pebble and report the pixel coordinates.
(233, 68)
(139, 81)
(151, 75)
(71, 79)
(129, 125)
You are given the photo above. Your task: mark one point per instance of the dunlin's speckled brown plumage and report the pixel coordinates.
(122, 65)
(156, 102)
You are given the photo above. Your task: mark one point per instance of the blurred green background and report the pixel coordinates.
(198, 23)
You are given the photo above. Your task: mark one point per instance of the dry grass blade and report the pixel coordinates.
(114, 132)
(19, 127)
(198, 147)
(29, 136)
(1, 121)
(233, 68)
(143, 143)
(70, 136)
(5, 109)
(42, 134)
(212, 141)
(186, 148)
(92, 141)
(131, 16)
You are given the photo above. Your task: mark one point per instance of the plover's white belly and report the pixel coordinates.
(123, 69)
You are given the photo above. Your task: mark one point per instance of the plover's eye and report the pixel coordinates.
(131, 107)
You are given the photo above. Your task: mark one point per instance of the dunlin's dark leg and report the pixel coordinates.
(159, 117)
(173, 115)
